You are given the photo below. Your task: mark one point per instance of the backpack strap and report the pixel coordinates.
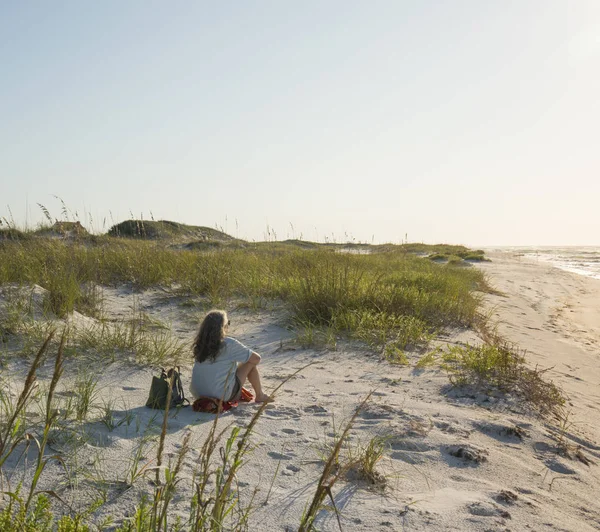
(178, 386)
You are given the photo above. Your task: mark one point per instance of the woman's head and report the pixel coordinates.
(210, 336)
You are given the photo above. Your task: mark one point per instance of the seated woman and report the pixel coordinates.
(222, 363)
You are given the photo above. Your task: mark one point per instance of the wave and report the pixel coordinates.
(580, 260)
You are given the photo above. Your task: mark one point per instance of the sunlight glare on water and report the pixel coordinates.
(581, 260)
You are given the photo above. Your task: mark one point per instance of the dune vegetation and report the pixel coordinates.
(391, 297)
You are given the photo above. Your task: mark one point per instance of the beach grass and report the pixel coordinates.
(333, 471)
(393, 298)
(217, 503)
(499, 366)
(384, 295)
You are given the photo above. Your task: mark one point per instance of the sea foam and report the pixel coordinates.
(581, 260)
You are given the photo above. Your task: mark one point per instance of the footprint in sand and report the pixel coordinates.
(377, 411)
(410, 452)
(242, 412)
(349, 437)
(282, 412)
(506, 497)
(289, 431)
(468, 453)
(459, 478)
(502, 432)
(402, 444)
(451, 428)
(368, 422)
(485, 509)
(557, 467)
(280, 456)
(316, 410)
(409, 458)
(543, 448)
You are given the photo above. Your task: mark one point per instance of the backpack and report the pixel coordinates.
(159, 390)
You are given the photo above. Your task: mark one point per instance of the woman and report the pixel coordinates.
(222, 363)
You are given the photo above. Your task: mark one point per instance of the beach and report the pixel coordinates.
(450, 459)
(555, 316)
(380, 216)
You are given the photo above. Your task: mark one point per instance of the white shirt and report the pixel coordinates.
(217, 379)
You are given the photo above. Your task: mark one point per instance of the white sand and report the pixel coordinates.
(553, 314)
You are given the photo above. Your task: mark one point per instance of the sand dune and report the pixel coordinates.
(453, 460)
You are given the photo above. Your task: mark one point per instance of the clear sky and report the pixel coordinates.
(465, 121)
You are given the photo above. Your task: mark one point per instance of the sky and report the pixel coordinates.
(470, 122)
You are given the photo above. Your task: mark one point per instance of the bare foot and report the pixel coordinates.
(264, 398)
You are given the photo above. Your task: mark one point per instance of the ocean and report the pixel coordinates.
(581, 260)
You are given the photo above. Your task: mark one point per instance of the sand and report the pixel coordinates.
(453, 460)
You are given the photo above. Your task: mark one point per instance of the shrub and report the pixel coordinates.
(438, 257)
(455, 259)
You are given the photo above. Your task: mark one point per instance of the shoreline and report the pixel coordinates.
(548, 255)
(555, 315)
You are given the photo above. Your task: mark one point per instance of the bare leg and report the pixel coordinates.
(250, 372)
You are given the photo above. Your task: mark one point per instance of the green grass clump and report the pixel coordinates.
(365, 459)
(498, 366)
(64, 293)
(455, 259)
(144, 341)
(428, 360)
(427, 249)
(475, 256)
(14, 516)
(438, 257)
(326, 285)
(395, 355)
(379, 328)
(13, 234)
(457, 255)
